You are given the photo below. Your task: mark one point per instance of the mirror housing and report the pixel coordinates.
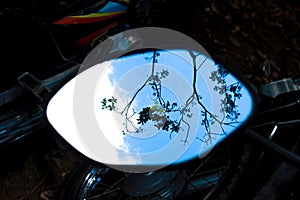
(149, 109)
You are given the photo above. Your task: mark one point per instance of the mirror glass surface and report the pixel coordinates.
(157, 107)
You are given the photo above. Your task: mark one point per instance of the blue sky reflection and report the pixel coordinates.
(128, 80)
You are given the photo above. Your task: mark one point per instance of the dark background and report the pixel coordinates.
(244, 34)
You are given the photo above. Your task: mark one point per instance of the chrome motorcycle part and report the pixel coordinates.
(206, 178)
(276, 88)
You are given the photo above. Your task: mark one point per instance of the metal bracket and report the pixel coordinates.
(34, 85)
(287, 155)
(275, 88)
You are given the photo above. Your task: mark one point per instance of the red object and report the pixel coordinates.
(84, 20)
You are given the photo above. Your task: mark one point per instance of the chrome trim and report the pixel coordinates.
(15, 126)
(275, 88)
(19, 121)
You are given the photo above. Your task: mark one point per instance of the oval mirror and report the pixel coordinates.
(150, 109)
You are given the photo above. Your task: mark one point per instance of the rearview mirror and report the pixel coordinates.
(152, 108)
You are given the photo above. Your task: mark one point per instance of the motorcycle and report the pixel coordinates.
(159, 118)
(42, 46)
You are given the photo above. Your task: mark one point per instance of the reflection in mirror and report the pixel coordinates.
(174, 104)
(150, 109)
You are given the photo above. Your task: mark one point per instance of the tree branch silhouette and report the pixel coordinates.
(159, 112)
